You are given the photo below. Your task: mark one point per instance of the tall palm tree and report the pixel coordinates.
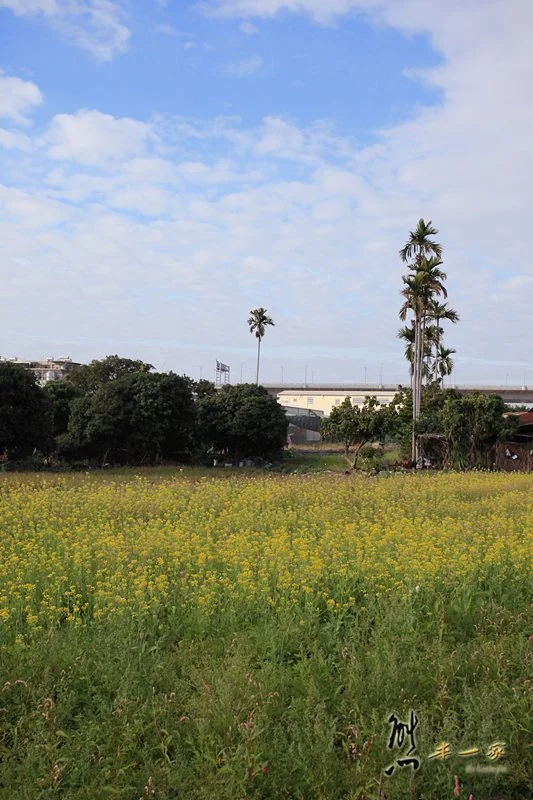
(432, 277)
(413, 294)
(444, 362)
(440, 311)
(430, 337)
(420, 288)
(407, 334)
(257, 322)
(421, 285)
(419, 244)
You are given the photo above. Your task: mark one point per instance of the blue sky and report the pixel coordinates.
(165, 167)
(181, 62)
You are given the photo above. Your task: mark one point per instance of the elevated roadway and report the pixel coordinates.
(510, 394)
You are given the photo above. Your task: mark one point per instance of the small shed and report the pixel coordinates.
(304, 425)
(516, 455)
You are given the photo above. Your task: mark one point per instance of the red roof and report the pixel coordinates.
(526, 418)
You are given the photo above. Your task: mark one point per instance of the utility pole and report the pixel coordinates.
(242, 365)
(282, 376)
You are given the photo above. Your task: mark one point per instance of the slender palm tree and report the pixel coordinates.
(419, 244)
(257, 322)
(437, 312)
(419, 290)
(444, 362)
(430, 337)
(413, 301)
(407, 334)
(432, 277)
(424, 258)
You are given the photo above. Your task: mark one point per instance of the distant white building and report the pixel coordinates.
(322, 401)
(323, 398)
(50, 369)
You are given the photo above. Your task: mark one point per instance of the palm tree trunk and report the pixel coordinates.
(418, 380)
(415, 389)
(422, 359)
(416, 371)
(412, 371)
(423, 346)
(428, 360)
(421, 338)
(437, 352)
(258, 351)
(412, 360)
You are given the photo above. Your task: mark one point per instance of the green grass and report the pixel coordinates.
(303, 461)
(269, 708)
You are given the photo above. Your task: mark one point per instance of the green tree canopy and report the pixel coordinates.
(472, 424)
(241, 421)
(468, 426)
(89, 377)
(136, 418)
(204, 388)
(354, 426)
(61, 395)
(25, 413)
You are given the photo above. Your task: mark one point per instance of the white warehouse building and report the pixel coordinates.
(322, 401)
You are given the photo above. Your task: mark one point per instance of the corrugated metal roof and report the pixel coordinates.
(339, 393)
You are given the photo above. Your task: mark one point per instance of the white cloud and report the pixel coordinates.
(32, 209)
(18, 98)
(150, 170)
(322, 10)
(31, 6)
(91, 137)
(13, 140)
(152, 201)
(93, 25)
(246, 67)
(179, 240)
(248, 29)
(165, 28)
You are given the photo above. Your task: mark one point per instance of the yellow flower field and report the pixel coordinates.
(91, 546)
(177, 634)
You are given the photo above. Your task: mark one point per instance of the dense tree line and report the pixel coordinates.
(26, 414)
(453, 430)
(119, 411)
